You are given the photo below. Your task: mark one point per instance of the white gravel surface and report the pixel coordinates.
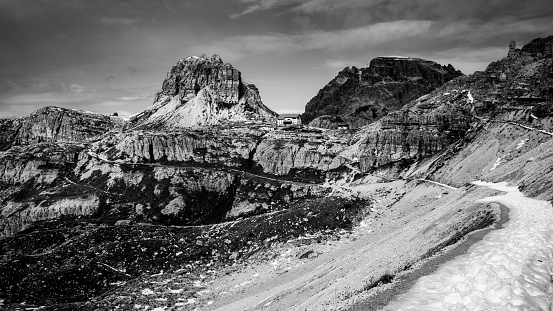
(510, 269)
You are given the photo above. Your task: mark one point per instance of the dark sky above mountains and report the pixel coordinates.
(112, 55)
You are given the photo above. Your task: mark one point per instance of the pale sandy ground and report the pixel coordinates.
(407, 220)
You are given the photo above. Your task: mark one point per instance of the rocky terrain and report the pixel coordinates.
(224, 211)
(360, 96)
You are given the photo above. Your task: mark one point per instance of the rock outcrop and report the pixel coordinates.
(359, 96)
(540, 47)
(200, 91)
(54, 124)
(419, 130)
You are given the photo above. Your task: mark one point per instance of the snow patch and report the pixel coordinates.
(471, 99)
(522, 142)
(496, 164)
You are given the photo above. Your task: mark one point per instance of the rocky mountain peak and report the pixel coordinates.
(359, 96)
(213, 58)
(194, 73)
(204, 90)
(540, 47)
(536, 51)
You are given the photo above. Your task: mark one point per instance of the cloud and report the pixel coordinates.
(130, 98)
(110, 78)
(116, 21)
(43, 99)
(360, 37)
(466, 59)
(334, 64)
(261, 5)
(135, 69)
(443, 8)
(22, 95)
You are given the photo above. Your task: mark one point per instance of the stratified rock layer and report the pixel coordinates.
(359, 96)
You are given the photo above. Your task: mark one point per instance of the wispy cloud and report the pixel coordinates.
(26, 95)
(334, 64)
(445, 9)
(116, 21)
(360, 37)
(262, 5)
(132, 97)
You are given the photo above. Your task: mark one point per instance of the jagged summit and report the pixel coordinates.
(203, 90)
(211, 58)
(359, 96)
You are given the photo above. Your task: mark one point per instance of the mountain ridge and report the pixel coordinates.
(359, 96)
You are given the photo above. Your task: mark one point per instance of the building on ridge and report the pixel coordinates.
(289, 119)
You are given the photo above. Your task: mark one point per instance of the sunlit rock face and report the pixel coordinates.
(422, 129)
(200, 91)
(359, 96)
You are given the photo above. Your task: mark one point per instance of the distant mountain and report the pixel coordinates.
(201, 91)
(359, 96)
(55, 124)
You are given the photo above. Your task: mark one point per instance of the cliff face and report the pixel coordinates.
(359, 96)
(252, 149)
(8, 132)
(30, 177)
(201, 91)
(54, 124)
(422, 129)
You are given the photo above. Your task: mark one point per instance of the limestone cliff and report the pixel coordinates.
(201, 91)
(54, 124)
(359, 96)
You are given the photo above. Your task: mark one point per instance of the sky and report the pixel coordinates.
(111, 56)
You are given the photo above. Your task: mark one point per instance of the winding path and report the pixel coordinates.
(510, 269)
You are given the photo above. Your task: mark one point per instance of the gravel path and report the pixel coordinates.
(510, 269)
